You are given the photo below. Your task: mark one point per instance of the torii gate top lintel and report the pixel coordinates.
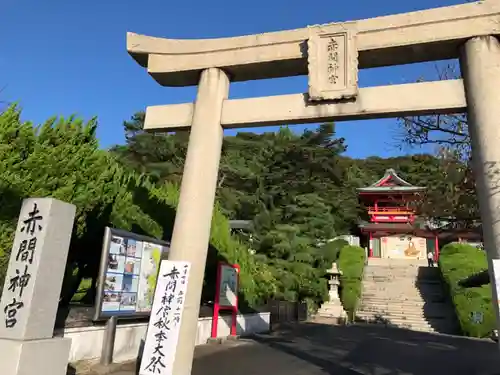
(426, 35)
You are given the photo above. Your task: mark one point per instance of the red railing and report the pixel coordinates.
(387, 210)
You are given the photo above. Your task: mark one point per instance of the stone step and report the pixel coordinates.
(389, 276)
(410, 314)
(401, 280)
(441, 306)
(399, 291)
(406, 282)
(410, 283)
(391, 308)
(395, 318)
(404, 298)
(405, 306)
(397, 294)
(435, 315)
(381, 287)
(409, 327)
(402, 288)
(422, 323)
(398, 283)
(430, 309)
(395, 322)
(443, 326)
(394, 261)
(415, 291)
(384, 306)
(388, 268)
(421, 271)
(430, 322)
(382, 271)
(392, 298)
(392, 270)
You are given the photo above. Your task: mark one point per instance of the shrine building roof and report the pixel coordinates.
(391, 182)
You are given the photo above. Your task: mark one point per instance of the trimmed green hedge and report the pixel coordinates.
(457, 262)
(351, 262)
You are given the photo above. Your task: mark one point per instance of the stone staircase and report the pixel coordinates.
(405, 294)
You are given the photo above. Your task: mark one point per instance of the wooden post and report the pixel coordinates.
(370, 244)
(436, 250)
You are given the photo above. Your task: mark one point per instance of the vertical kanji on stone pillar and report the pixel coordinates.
(32, 289)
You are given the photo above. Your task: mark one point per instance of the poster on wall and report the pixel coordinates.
(404, 247)
(128, 274)
(228, 285)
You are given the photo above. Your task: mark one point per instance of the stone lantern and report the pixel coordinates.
(333, 307)
(334, 282)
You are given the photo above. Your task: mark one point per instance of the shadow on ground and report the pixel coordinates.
(438, 309)
(311, 348)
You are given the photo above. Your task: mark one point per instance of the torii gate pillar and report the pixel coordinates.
(480, 65)
(194, 213)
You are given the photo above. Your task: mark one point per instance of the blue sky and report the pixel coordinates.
(69, 57)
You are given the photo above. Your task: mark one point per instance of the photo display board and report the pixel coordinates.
(128, 274)
(228, 285)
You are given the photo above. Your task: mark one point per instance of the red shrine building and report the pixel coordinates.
(394, 229)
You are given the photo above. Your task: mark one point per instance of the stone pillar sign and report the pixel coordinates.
(332, 62)
(32, 288)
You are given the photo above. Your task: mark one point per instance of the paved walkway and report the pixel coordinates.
(319, 349)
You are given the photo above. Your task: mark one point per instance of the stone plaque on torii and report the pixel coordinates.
(332, 62)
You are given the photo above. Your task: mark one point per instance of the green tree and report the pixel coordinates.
(62, 159)
(160, 155)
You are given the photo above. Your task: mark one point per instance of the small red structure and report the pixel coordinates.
(226, 297)
(393, 229)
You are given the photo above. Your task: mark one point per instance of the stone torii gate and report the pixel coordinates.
(331, 56)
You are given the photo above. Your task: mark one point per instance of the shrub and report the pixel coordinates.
(294, 263)
(457, 262)
(351, 262)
